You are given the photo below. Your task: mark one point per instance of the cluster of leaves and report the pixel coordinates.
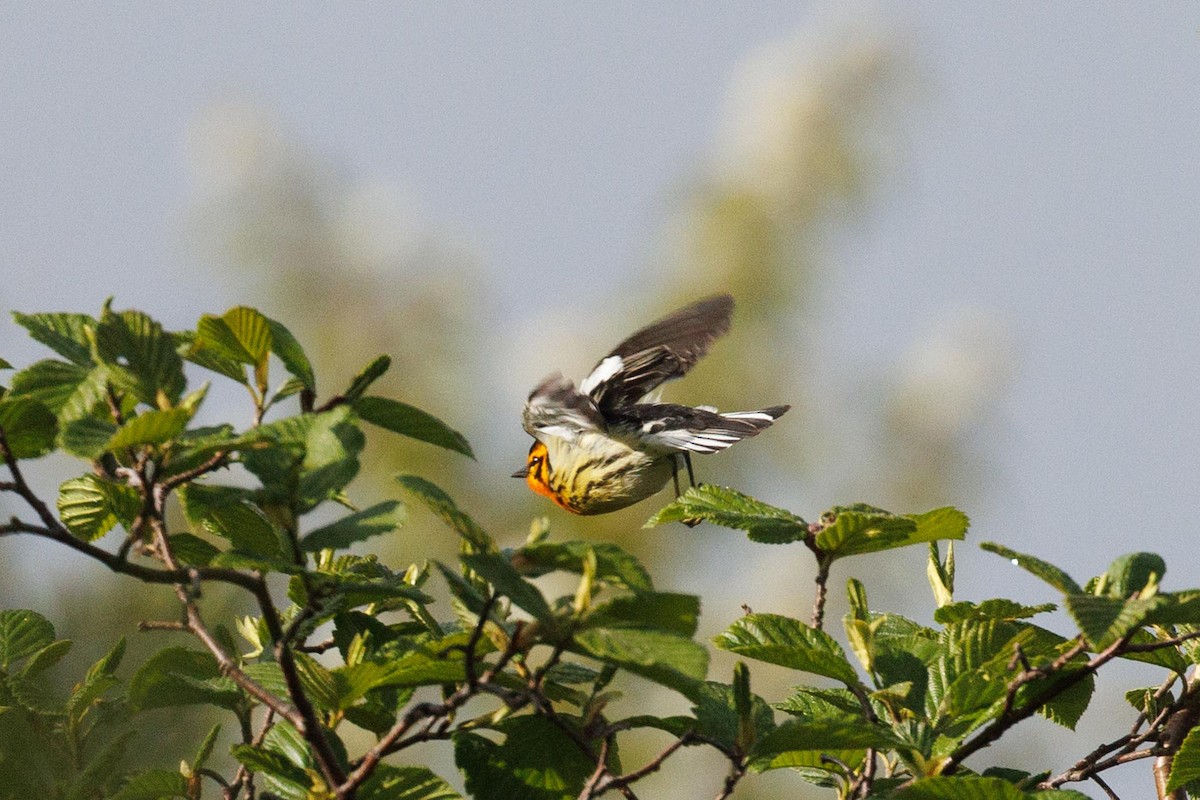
(523, 687)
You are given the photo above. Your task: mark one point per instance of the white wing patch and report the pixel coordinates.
(604, 371)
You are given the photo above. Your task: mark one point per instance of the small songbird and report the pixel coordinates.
(607, 444)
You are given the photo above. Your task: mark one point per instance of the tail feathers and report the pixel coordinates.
(697, 430)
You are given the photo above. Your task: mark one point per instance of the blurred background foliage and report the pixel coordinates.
(813, 126)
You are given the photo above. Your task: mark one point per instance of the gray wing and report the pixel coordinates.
(674, 428)
(660, 352)
(556, 408)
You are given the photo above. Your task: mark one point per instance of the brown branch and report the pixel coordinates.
(1012, 714)
(608, 781)
(395, 739)
(824, 562)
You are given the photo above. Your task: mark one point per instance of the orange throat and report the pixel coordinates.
(538, 476)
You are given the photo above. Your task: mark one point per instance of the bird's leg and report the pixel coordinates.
(675, 475)
(687, 459)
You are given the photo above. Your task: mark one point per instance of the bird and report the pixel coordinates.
(610, 443)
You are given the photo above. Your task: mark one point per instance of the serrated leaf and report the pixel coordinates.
(174, 676)
(996, 608)
(412, 422)
(22, 633)
(288, 350)
(133, 344)
(206, 747)
(45, 658)
(1185, 766)
(317, 681)
(854, 532)
(665, 611)
(789, 643)
(29, 427)
(241, 334)
(150, 427)
(1036, 567)
(536, 761)
(613, 565)
(440, 504)
(65, 334)
(1133, 572)
(732, 509)
(224, 511)
(819, 735)
(717, 715)
(290, 777)
(90, 506)
(87, 437)
(50, 382)
(665, 658)
(153, 784)
(370, 373)
(379, 519)
(809, 702)
(964, 788)
(1104, 620)
(406, 783)
(496, 570)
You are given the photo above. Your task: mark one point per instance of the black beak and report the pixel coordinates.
(521, 473)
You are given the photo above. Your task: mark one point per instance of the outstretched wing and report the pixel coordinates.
(659, 352)
(673, 428)
(556, 408)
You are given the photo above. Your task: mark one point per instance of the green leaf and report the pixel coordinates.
(226, 512)
(150, 427)
(135, 345)
(496, 570)
(370, 373)
(854, 531)
(1185, 767)
(732, 509)
(819, 735)
(45, 658)
(87, 437)
(536, 761)
(65, 334)
(318, 682)
(192, 550)
(290, 780)
(1104, 620)
(1131, 573)
(967, 788)
(206, 748)
(809, 702)
(50, 382)
(241, 334)
(789, 643)
(22, 633)
(665, 611)
(613, 565)
(29, 426)
(412, 422)
(90, 506)
(288, 350)
(440, 504)
(381, 518)
(997, 608)
(1036, 567)
(406, 783)
(671, 660)
(175, 676)
(153, 784)
(719, 715)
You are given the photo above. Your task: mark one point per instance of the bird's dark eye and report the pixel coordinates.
(535, 461)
